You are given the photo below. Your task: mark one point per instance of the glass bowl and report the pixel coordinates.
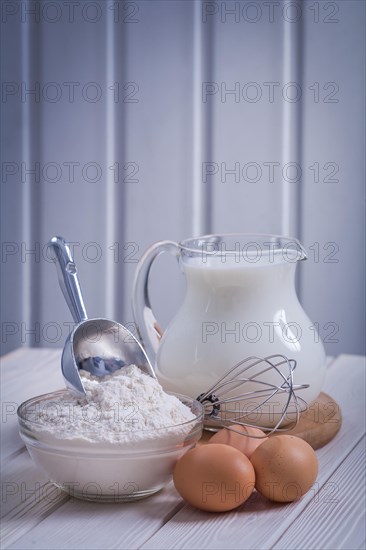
(111, 471)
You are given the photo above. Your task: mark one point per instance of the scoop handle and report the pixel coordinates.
(68, 278)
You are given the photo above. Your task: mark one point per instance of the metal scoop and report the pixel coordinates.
(99, 346)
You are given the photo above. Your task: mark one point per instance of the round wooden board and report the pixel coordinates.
(317, 425)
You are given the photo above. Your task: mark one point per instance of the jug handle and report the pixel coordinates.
(147, 326)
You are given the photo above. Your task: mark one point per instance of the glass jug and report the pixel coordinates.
(240, 301)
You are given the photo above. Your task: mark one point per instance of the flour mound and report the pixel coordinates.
(127, 405)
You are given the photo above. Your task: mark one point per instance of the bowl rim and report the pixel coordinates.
(58, 393)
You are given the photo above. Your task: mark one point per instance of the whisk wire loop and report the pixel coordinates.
(246, 373)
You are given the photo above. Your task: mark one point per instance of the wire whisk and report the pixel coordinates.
(261, 382)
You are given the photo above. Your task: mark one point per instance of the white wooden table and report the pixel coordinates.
(35, 514)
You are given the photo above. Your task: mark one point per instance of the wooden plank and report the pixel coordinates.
(25, 374)
(245, 196)
(336, 517)
(90, 525)
(340, 303)
(27, 366)
(155, 206)
(11, 355)
(259, 523)
(27, 497)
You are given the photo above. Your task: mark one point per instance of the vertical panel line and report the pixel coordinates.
(202, 121)
(31, 208)
(110, 215)
(26, 195)
(292, 129)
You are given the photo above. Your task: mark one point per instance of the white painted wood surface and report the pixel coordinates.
(37, 515)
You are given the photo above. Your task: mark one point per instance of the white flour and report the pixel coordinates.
(121, 442)
(127, 406)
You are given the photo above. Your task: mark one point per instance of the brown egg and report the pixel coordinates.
(214, 477)
(285, 468)
(243, 439)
